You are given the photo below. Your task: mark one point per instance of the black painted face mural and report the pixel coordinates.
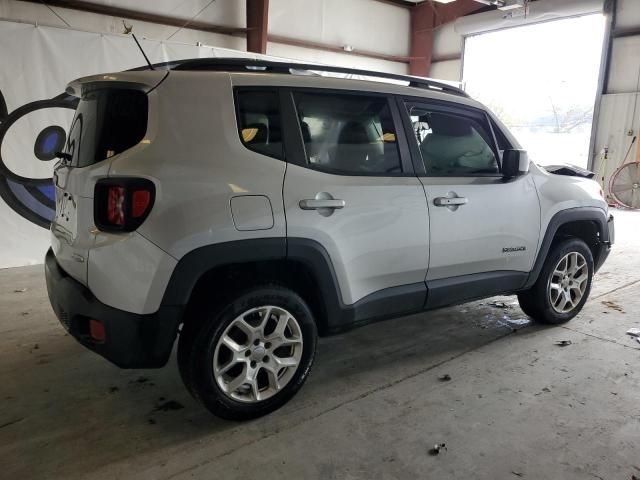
(32, 198)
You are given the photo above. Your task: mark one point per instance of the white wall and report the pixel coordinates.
(89, 22)
(363, 24)
(447, 43)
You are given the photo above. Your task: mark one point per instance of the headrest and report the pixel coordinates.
(306, 132)
(354, 133)
(447, 125)
(255, 133)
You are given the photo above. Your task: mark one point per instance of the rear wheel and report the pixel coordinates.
(563, 285)
(251, 356)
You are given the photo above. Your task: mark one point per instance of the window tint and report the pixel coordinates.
(259, 122)
(107, 122)
(452, 144)
(348, 134)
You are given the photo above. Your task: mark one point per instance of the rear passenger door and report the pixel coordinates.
(350, 188)
(484, 229)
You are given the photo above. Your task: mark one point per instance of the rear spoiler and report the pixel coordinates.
(140, 80)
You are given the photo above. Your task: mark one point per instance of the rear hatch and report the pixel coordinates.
(111, 117)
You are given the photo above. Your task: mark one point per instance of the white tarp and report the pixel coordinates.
(37, 64)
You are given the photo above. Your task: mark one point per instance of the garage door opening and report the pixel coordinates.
(541, 81)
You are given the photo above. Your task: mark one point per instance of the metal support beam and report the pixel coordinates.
(611, 12)
(626, 32)
(257, 25)
(423, 22)
(425, 18)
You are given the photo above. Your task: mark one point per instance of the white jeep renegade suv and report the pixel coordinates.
(245, 208)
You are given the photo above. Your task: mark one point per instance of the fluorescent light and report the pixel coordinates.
(444, 1)
(499, 3)
(512, 5)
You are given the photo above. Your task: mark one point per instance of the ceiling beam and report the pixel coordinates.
(141, 16)
(626, 32)
(425, 18)
(257, 25)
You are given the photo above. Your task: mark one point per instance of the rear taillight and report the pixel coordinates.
(122, 204)
(141, 199)
(115, 205)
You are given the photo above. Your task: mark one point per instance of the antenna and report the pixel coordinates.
(140, 47)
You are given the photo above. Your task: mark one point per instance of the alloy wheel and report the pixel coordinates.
(568, 282)
(258, 354)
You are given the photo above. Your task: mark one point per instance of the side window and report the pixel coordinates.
(452, 145)
(348, 134)
(259, 121)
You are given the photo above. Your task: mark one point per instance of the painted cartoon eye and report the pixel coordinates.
(49, 141)
(25, 177)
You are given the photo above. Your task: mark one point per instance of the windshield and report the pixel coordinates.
(107, 122)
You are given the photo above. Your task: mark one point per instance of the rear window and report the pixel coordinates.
(259, 122)
(348, 134)
(107, 122)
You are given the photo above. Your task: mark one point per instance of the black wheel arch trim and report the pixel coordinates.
(195, 264)
(336, 315)
(593, 214)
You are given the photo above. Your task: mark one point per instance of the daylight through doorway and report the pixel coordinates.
(541, 80)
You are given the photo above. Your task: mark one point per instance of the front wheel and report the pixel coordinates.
(250, 357)
(563, 285)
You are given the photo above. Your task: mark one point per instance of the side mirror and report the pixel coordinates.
(515, 163)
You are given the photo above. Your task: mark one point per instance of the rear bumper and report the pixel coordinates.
(132, 340)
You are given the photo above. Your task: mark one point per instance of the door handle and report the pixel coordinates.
(449, 201)
(314, 204)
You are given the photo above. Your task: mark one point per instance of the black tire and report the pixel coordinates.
(197, 346)
(536, 303)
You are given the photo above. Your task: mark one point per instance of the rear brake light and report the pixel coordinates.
(141, 201)
(122, 204)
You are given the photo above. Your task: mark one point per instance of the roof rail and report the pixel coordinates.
(267, 66)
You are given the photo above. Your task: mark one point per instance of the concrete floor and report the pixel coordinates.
(517, 405)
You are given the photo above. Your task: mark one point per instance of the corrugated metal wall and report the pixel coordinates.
(617, 122)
